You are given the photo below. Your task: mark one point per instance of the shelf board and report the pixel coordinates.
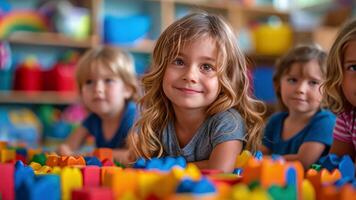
(144, 46)
(50, 39)
(38, 97)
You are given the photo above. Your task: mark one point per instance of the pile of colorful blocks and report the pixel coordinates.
(35, 175)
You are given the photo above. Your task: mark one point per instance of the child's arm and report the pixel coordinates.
(308, 153)
(122, 156)
(223, 156)
(265, 150)
(73, 142)
(342, 148)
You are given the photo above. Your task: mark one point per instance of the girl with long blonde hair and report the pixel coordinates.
(197, 102)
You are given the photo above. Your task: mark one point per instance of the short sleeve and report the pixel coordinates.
(340, 131)
(227, 126)
(321, 128)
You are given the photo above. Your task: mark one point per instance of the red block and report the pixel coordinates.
(91, 176)
(92, 194)
(7, 184)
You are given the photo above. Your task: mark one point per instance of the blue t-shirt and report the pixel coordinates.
(93, 124)
(319, 129)
(218, 128)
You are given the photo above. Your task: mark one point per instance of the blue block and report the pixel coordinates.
(22, 173)
(92, 161)
(238, 171)
(185, 186)
(330, 162)
(42, 187)
(140, 163)
(347, 167)
(258, 155)
(204, 186)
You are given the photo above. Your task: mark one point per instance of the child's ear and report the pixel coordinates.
(127, 92)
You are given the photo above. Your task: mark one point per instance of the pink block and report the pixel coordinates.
(7, 184)
(91, 176)
(93, 193)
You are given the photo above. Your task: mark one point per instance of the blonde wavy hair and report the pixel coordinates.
(156, 109)
(334, 96)
(116, 60)
(299, 54)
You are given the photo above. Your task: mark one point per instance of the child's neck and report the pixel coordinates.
(186, 125)
(110, 124)
(294, 123)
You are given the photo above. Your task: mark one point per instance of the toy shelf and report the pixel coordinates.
(144, 46)
(39, 97)
(51, 39)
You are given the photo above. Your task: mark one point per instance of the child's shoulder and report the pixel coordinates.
(230, 113)
(325, 114)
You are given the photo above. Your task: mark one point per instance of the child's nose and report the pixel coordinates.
(191, 74)
(302, 87)
(99, 86)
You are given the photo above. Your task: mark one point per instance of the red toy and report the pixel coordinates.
(7, 183)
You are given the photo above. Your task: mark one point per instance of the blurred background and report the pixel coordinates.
(41, 41)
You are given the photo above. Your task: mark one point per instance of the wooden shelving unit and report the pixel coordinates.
(38, 97)
(50, 39)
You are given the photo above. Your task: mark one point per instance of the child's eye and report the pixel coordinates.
(109, 80)
(207, 68)
(178, 61)
(314, 82)
(291, 80)
(88, 82)
(351, 68)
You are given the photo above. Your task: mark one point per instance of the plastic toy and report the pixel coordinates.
(21, 21)
(7, 183)
(91, 176)
(28, 75)
(103, 153)
(92, 194)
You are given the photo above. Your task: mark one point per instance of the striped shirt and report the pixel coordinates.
(345, 127)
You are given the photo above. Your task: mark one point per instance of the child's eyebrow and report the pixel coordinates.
(349, 61)
(202, 57)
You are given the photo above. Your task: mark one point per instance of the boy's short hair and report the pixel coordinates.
(115, 59)
(299, 54)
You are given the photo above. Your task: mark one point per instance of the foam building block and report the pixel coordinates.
(92, 194)
(103, 153)
(91, 176)
(42, 187)
(7, 183)
(71, 178)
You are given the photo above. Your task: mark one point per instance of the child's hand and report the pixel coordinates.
(65, 150)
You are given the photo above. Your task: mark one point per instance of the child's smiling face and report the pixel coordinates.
(190, 80)
(349, 73)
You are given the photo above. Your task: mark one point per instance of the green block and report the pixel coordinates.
(118, 164)
(281, 193)
(316, 167)
(39, 158)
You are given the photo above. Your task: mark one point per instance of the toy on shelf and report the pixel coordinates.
(21, 21)
(61, 76)
(28, 75)
(5, 66)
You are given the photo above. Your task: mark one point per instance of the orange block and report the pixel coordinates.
(106, 172)
(252, 171)
(103, 153)
(330, 192)
(52, 160)
(347, 192)
(3, 145)
(329, 178)
(7, 155)
(273, 173)
(315, 179)
(75, 161)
